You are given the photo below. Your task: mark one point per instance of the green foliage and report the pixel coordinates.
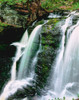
(46, 4)
(49, 4)
(53, 21)
(56, 4)
(12, 2)
(75, 6)
(3, 24)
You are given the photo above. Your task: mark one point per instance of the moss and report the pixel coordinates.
(1, 29)
(3, 24)
(53, 21)
(50, 43)
(49, 27)
(43, 42)
(39, 22)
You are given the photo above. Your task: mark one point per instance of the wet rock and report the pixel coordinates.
(50, 41)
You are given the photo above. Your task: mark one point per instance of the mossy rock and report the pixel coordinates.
(50, 42)
(53, 21)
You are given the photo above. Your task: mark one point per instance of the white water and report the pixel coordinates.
(67, 69)
(71, 62)
(33, 40)
(64, 81)
(59, 60)
(34, 61)
(13, 85)
(54, 16)
(19, 45)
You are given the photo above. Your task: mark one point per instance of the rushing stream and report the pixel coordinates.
(63, 77)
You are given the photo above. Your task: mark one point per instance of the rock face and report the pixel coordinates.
(11, 16)
(16, 21)
(50, 41)
(12, 24)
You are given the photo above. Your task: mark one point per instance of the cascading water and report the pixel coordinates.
(19, 53)
(29, 46)
(61, 53)
(64, 81)
(70, 65)
(34, 61)
(20, 45)
(67, 63)
(29, 51)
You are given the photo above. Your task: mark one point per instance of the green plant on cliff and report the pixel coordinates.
(12, 2)
(60, 4)
(75, 5)
(48, 4)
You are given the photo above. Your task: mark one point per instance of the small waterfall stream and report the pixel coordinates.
(29, 45)
(71, 64)
(66, 70)
(59, 60)
(29, 50)
(19, 45)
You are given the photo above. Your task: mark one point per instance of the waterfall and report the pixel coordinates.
(20, 45)
(58, 61)
(26, 49)
(34, 61)
(65, 75)
(29, 51)
(64, 80)
(70, 64)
